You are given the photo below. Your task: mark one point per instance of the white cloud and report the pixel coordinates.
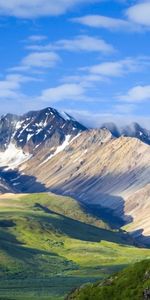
(137, 94)
(38, 8)
(114, 68)
(79, 43)
(124, 108)
(63, 92)
(92, 76)
(140, 13)
(86, 79)
(10, 86)
(84, 43)
(136, 18)
(37, 38)
(42, 60)
(99, 21)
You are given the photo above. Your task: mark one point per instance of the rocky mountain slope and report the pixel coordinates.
(109, 173)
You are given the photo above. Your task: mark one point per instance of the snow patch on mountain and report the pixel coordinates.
(59, 149)
(13, 157)
(65, 116)
(29, 136)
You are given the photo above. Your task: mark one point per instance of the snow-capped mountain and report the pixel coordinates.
(35, 127)
(132, 130)
(22, 136)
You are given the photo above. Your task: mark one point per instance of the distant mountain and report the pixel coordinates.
(133, 130)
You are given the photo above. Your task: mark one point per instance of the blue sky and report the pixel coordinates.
(89, 58)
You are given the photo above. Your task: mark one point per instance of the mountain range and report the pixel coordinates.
(106, 169)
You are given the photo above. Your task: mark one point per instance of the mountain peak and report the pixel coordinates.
(45, 128)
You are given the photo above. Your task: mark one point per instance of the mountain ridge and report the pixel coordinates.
(43, 120)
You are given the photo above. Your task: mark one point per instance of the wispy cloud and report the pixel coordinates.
(40, 60)
(124, 108)
(63, 92)
(84, 43)
(140, 13)
(37, 38)
(105, 73)
(118, 68)
(10, 87)
(137, 94)
(38, 8)
(113, 68)
(135, 18)
(99, 21)
(37, 60)
(87, 80)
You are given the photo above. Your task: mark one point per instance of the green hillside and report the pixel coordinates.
(132, 283)
(49, 245)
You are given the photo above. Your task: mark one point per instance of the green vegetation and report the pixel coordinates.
(131, 283)
(49, 245)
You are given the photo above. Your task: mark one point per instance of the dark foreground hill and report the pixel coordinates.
(132, 283)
